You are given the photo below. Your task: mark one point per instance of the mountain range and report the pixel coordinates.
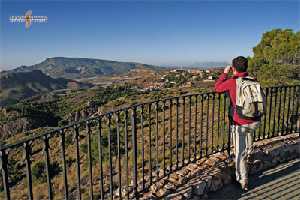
(75, 68)
(19, 85)
(57, 73)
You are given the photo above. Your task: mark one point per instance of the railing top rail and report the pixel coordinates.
(46, 134)
(50, 133)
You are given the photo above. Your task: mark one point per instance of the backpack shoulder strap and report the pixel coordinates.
(249, 78)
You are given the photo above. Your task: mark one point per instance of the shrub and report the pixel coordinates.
(39, 170)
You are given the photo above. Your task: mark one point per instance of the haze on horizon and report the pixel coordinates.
(154, 32)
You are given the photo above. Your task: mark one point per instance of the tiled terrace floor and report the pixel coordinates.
(282, 183)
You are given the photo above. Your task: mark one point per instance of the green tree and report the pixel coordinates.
(276, 58)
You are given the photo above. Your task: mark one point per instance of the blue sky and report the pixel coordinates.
(155, 32)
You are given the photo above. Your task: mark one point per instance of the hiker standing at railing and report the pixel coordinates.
(247, 105)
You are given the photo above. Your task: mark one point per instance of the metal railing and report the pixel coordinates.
(121, 153)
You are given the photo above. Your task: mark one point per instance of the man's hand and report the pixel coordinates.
(227, 69)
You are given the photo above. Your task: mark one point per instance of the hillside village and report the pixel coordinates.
(149, 80)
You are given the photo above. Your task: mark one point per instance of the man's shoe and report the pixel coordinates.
(244, 184)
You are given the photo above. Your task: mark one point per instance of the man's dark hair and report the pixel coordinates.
(240, 64)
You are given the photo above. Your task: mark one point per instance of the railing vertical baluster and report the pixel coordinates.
(218, 128)
(164, 138)
(293, 107)
(156, 139)
(196, 128)
(47, 166)
(297, 109)
(283, 111)
(229, 131)
(101, 182)
(270, 112)
(213, 122)
(134, 143)
(143, 147)
(111, 184)
(224, 122)
(126, 153)
(255, 133)
(63, 157)
(274, 115)
(190, 127)
(288, 112)
(88, 131)
(119, 155)
(177, 131)
(201, 128)
(258, 134)
(150, 144)
(4, 171)
(207, 127)
(183, 131)
(279, 111)
(265, 116)
(27, 153)
(77, 162)
(171, 138)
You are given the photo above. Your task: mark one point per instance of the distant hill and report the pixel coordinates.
(73, 68)
(19, 85)
(202, 65)
(209, 64)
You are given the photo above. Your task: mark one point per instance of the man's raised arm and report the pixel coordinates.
(223, 84)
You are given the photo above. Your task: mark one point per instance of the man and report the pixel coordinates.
(245, 112)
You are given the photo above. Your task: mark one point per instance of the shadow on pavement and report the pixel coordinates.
(281, 182)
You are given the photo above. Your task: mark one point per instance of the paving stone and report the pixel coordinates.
(212, 161)
(208, 181)
(156, 186)
(174, 196)
(226, 177)
(161, 173)
(199, 188)
(183, 172)
(162, 192)
(201, 161)
(216, 183)
(176, 179)
(192, 166)
(170, 186)
(221, 156)
(187, 192)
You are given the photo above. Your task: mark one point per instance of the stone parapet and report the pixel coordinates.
(195, 180)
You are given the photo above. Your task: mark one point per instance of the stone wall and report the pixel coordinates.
(195, 180)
